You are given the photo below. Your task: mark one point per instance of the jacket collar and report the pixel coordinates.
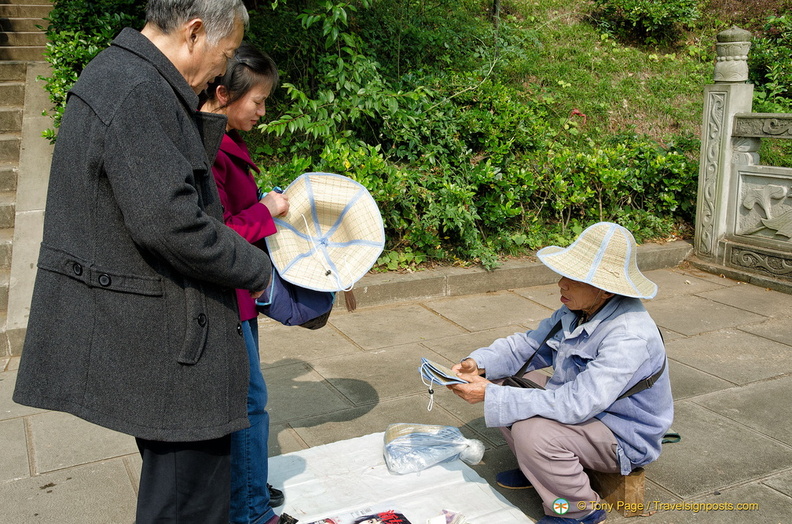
(134, 42)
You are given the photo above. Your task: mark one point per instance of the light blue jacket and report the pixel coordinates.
(593, 365)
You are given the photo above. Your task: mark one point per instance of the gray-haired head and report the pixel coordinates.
(218, 16)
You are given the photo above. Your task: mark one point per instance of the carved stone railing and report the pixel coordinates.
(744, 209)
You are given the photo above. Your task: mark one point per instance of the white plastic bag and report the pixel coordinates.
(413, 447)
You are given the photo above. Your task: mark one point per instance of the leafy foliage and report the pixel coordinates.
(476, 139)
(649, 20)
(77, 30)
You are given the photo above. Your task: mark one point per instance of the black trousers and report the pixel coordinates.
(184, 482)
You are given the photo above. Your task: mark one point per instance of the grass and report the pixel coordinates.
(656, 92)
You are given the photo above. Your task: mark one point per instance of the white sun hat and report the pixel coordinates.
(604, 256)
(331, 236)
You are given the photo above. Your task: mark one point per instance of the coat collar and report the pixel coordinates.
(234, 145)
(134, 42)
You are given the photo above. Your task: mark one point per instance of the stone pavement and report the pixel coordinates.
(729, 346)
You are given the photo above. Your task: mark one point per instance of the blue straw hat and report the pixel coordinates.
(604, 256)
(331, 236)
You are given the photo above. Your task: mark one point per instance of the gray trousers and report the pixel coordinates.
(553, 455)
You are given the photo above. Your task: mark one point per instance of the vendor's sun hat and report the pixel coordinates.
(604, 256)
(331, 236)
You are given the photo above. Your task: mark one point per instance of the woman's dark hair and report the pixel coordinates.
(243, 72)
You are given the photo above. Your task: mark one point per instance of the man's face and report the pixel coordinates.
(210, 60)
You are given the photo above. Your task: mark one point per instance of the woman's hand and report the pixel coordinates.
(277, 203)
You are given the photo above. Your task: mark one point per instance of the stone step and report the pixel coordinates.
(12, 94)
(6, 242)
(10, 25)
(7, 209)
(8, 177)
(18, 38)
(48, 3)
(10, 119)
(12, 11)
(12, 71)
(9, 148)
(27, 53)
(5, 275)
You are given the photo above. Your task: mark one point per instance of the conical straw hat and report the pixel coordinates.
(604, 256)
(331, 236)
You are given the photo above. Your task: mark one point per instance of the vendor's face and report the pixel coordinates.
(579, 296)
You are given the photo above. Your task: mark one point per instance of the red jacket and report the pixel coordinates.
(242, 211)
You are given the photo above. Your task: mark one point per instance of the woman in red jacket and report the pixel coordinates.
(241, 94)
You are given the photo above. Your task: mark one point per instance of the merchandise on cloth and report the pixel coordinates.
(350, 476)
(331, 236)
(414, 447)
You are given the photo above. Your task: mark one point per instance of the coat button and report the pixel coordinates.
(104, 280)
(202, 320)
(239, 329)
(77, 268)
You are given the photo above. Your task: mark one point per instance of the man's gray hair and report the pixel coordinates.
(218, 16)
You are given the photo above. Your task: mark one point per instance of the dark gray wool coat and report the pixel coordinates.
(134, 324)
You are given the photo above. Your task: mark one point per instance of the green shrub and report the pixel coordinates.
(650, 21)
(770, 64)
(77, 30)
(468, 154)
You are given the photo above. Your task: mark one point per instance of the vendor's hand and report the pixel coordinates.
(277, 203)
(473, 391)
(466, 366)
(255, 294)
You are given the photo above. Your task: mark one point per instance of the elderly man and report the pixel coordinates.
(608, 403)
(134, 324)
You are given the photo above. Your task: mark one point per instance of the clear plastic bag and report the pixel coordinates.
(414, 447)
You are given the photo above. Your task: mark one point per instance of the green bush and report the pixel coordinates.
(466, 160)
(770, 64)
(77, 30)
(650, 21)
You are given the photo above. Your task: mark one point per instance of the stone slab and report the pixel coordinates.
(14, 462)
(695, 315)
(296, 391)
(763, 407)
(60, 440)
(99, 493)
(383, 327)
(456, 347)
(748, 504)
(689, 382)
(755, 299)
(777, 329)
(679, 282)
(375, 375)
(279, 344)
(737, 356)
(489, 310)
(332, 427)
(715, 451)
(781, 483)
